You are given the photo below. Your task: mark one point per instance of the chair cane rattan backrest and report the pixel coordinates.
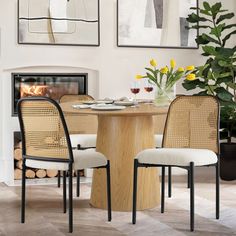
(193, 122)
(79, 124)
(43, 129)
(74, 98)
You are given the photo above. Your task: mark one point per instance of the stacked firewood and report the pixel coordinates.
(31, 173)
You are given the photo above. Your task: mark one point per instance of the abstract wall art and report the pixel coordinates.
(155, 23)
(59, 22)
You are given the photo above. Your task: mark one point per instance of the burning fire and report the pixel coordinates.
(34, 90)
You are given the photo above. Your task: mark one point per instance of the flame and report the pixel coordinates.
(33, 90)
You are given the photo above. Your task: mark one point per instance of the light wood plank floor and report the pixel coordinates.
(44, 212)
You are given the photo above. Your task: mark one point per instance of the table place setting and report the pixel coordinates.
(99, 106)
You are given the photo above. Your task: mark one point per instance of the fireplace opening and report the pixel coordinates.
(49, 85)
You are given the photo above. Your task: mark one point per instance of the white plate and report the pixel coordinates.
(107, 107)
(81, 106)
(89, 102)
(124, 103)
(104, 101)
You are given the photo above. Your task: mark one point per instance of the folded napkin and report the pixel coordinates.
(81, 106)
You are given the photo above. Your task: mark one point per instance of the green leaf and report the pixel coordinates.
(227, 37)
(204, 12)
(224, 53)
(210, 50)
(201, 41)
(149, 69)
(215, 9)
(223, 94)
(207, 6)
(210, 39)
(223, 63)
(217, 30)
(194, 18)
(224, 17)
(232, 85)
(224, 80)
(229, 26)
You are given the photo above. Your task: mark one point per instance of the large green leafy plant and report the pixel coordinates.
(217, 76)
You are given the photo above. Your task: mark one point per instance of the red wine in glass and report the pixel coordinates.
(135, 90)
(148, 89)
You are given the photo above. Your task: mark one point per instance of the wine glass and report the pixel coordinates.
(135, 89)
(148, 86)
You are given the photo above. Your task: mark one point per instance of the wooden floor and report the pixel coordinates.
(44, 212)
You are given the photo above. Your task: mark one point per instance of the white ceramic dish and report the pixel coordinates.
(104, 101)
(104, 107)
(89, 102)
(81, 106)
(124, 103)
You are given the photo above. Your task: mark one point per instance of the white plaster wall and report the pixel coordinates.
(116, 67)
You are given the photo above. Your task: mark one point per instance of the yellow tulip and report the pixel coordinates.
(181, 69)
(172, 63)
(164, 70)
(139, 77)
(153, 63)
(188, 68)
(191, 77)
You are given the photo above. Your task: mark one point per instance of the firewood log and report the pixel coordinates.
(30, 174)
(51, 173)
(41, 173)
(19, 164)
(18, 154)
(17, 174)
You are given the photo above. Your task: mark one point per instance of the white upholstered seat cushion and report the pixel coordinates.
(82, 159)
(158, 140)
(84, 140)
(177, 156)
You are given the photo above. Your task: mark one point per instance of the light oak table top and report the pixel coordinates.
(141, 110)
(121, 136)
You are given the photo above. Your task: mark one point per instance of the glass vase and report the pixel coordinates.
(164, 96)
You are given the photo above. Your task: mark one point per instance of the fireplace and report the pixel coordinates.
(49, 85)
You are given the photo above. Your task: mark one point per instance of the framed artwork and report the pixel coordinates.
(59, 22)
(155, 23)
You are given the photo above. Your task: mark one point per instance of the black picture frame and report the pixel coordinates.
(119, 44)
(97, 44)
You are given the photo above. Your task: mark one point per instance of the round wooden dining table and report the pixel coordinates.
(121, 135)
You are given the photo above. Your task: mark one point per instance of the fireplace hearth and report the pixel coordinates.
(47, 84)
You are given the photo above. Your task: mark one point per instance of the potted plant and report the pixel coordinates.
(217, 76)
(165, 79)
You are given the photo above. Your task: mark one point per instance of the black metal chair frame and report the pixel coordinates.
(190, 170)
(70, 162)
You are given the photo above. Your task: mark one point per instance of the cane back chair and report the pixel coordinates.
(190, 139)
(82, 130)
(46, 144)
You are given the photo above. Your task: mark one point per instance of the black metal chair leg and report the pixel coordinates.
(78, 184)
(217, 191)
(169, 182)
(162, 189)
(64, 191)
(135, 191)
(70, 198)
(23, 193)
(59, 179)
(192, 196)
(188, 179)
(108, 191)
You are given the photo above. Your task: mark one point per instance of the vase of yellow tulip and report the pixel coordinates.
(165, 79)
